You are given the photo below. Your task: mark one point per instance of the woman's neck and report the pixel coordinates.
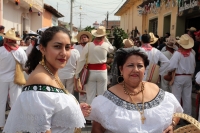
(133, 89)
(53, 70)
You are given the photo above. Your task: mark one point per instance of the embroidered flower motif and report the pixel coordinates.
(48, 88)
(35, 88)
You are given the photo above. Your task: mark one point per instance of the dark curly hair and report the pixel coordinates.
(36, 56)
(121, 57)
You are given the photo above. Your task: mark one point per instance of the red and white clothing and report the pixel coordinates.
(182, 86)
(67, 73)
(97, 57)
(164, 83)
(82, 97)
(154, 56)
(7, 72)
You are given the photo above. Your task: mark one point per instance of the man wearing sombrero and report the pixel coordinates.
(169, 50)
(97, 56)
(183, 62)
(154, 55)
(9, 53)
(83, 37)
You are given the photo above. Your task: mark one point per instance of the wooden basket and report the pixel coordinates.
(194, 127)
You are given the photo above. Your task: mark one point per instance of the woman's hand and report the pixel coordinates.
(86, 109)
(169, 129)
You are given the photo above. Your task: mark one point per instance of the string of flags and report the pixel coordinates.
(17, 2)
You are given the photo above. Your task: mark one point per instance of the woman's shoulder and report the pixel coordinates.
(38, 76)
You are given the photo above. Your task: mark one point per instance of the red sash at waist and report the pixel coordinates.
(182, 74)
(97, 66)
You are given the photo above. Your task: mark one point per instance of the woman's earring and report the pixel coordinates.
(121, 76)
(42, 61)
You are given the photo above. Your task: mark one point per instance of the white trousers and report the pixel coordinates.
(96, 85)
(182, 88)
(83, 97)
(165, 84)
(69, 84)
(14, 91)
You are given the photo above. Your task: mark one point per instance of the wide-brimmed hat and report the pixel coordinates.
(84, 33)
(128, 43)
(192, 29)
(10, 34)
(186, 41)
(101, 31)
(170, 41)
(153, 38)
(197, 33)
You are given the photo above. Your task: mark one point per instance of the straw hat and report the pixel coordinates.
(84, 33)
(170, 41)
(10, 34)
(128, 43)
(101, 31)
(192, 29)
(186, 41)
(153, 38)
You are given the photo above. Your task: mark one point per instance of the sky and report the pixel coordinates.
(92, 10)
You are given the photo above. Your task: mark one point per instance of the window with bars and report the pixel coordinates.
(153, 26)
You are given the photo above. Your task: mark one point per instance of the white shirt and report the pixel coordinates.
(97, 54)
(154, 56)
(168, 54)
(79, 48)
(8, 63)
(119, 116)
(69, 70)
(183, 65)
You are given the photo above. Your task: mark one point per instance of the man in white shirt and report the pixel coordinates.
(9, 53)
(183, 62)
(170, 48)
(96, 55)
(83, 38)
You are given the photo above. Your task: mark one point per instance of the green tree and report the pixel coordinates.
(119, 36)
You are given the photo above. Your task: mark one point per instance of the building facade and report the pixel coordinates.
(111, 23)
(160, 17)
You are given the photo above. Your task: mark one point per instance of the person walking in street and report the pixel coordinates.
(154, 55)
(10, 52)
(133, 105)
(170, 48)
(45, 106)
(83, 38)
(183, 62)
(96, 54)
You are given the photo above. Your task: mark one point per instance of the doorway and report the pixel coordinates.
(167, 24)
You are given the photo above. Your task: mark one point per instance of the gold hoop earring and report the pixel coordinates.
(42, 61)
(121, 76)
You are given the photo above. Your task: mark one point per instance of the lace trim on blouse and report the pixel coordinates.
(130, 106)
(40, 87)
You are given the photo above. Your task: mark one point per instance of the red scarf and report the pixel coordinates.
(96, 42)
(147, 47)
(10, 47)
(184, 52)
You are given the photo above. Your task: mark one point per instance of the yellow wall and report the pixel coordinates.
(131, 18)
(162, 13)
(47, 19)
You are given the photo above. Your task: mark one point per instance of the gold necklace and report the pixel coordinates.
(57, 79)
(133, 93)
(140, 111)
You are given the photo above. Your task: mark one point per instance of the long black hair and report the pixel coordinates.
(36, 56)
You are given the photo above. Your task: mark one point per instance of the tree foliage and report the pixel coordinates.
(119, 36)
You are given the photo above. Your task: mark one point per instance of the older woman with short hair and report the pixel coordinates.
(133, 105)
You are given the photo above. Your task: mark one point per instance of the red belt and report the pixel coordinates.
(182, 74)
(97, 66)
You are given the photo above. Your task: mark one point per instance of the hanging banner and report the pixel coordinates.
(188, 4)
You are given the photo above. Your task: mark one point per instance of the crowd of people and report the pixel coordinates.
(56, 100)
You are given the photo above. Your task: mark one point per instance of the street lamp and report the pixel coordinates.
(71, 15)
